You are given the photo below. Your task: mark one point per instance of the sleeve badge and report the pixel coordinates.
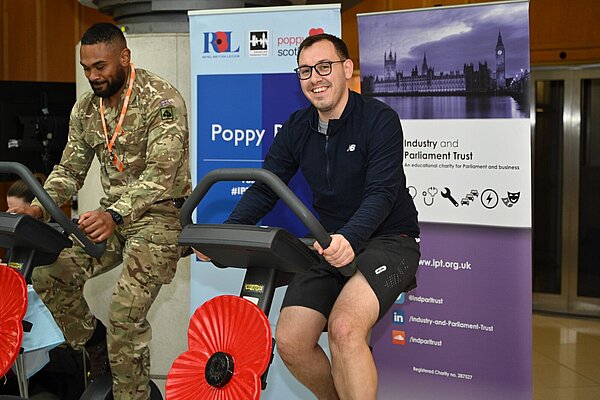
(167, 113)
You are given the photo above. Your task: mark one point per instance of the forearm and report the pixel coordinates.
(365, 221)
(384, 180)
(69, 174)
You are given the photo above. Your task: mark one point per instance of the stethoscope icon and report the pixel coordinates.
(429, 196)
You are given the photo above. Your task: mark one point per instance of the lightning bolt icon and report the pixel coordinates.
(489, 198)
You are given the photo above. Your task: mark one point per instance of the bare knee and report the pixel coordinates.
(290, 345)
(345, 334)
(297, 334)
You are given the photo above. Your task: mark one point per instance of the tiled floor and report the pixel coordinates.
(566, 358)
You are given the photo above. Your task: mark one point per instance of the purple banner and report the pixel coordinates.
(465, 332)
(459, 79)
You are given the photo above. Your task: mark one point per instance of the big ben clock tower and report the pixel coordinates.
(500, 64)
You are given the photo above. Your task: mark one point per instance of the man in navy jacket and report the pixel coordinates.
(349, 149)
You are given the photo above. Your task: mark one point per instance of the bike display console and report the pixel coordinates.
(31, 242)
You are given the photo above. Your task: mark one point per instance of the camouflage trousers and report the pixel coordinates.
(149, 253)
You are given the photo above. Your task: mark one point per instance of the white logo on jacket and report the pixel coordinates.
(380, 269)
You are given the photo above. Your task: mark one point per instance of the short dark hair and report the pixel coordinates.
(103, 32)
(21, 190)
(340, 47)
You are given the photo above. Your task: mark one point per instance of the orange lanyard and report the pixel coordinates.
(109, 144)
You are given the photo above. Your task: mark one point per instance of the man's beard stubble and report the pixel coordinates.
(113, 86)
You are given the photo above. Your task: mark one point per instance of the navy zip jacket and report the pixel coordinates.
(355, 172)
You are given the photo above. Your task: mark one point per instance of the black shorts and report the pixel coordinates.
(389, 263)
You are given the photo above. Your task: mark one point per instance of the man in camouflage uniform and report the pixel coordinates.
(144, 175)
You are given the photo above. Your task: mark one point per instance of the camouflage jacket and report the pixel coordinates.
(153, 146)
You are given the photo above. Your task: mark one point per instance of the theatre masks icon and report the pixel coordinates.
(511, 198)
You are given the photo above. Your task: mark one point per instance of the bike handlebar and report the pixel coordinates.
(93, 249)
(275, 184)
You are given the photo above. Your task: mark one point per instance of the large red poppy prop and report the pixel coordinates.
(13, 305)
(230, 346)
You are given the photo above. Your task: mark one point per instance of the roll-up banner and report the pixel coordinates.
(459, 79)
(243, 90)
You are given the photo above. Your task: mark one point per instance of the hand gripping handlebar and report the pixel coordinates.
(277, 186)
(93, 249)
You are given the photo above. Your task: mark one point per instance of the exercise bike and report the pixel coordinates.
(32, 243)
(230, 340)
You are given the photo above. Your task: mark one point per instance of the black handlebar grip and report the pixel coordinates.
(93, 249)
(349, 269)
(275, 184)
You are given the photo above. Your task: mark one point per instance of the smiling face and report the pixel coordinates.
(105, 66)
(329, 94)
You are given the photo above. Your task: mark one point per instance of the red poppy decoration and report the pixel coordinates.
(13, 305)
(230, 346)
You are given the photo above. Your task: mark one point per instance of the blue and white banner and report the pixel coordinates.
(243, 90)
(459, 79)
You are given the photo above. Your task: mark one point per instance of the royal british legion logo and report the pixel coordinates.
(220, 44)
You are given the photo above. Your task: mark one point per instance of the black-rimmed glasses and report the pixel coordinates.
(323, 69)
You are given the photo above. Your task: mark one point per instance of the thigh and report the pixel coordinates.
(356, 309)
(147, 265)
(316, 289)
(300, 327)
(74, 266)
(151, 251)
(389, 265)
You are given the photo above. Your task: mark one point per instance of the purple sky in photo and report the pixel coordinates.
(450, 38)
